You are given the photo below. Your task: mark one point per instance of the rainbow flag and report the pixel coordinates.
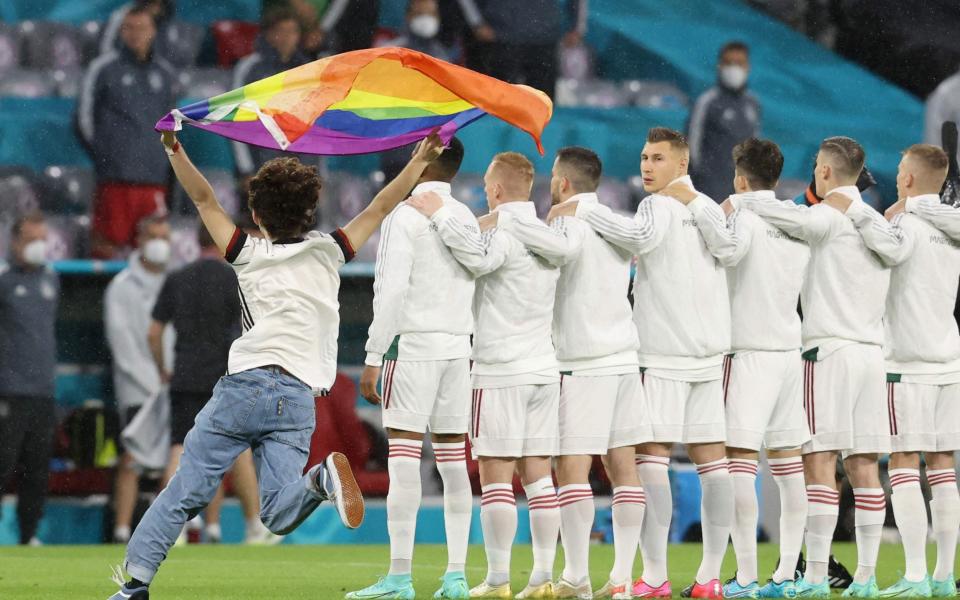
(363, 101)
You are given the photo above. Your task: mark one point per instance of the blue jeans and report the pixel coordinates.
(263, 409)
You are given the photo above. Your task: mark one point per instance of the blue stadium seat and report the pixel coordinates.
(26, 84)
(655, 94)
(67, 190)
(67, 236)
(52, 45)
(10, 48)
(205, 83)
(19, 190)
(593, 93)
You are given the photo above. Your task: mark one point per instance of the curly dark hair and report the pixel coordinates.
(285, 193)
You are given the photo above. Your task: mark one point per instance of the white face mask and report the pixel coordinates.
(157, 251)
(425, 26)
(733, 77)
(35, 253)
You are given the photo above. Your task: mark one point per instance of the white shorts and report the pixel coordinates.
(844, 401)
(763, 395)
(922, 417)
(602, 412)
(421, 395)
(516, 421)
(688, 412)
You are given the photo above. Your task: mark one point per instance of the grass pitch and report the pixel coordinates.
(289, 572)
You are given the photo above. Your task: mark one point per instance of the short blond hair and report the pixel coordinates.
(930, 156)
(519, 170)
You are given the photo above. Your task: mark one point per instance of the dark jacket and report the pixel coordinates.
(28, 344)
(120, 101)
(720, 120)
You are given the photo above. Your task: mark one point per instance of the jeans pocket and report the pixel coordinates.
(295, 421)
(234, 400)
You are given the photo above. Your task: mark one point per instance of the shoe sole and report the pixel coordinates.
(348, 498)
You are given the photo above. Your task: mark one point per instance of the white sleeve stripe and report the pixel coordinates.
(470, 12)
(110, 33)
(333, 14)
(85, 108)
(697, 116)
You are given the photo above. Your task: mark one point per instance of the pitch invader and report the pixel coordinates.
(851, 248)
(422, 346)
(603, 409)
(923, 372)
(682, 315)
(763, 375)
(516, 382)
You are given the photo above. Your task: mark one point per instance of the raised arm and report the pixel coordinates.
(801, 222)
(557, 243)
(361, 227)
(942, 216)
(638, 234)
(886, 239)
(720, 234)
(214, 217)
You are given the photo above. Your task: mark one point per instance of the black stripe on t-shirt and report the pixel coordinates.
(235, 246)
(245, 310)
(344, 242)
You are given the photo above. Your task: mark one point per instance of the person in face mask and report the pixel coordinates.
(721, 118)
(420, 32)
(29, 293)
(128, 303)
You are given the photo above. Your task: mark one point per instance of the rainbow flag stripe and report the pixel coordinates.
(363, 101)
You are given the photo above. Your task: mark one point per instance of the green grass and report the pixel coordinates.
(313, 572)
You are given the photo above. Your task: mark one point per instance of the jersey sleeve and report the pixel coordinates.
(944, 217)
(722, 241)
(557, 243)
(886, 239)
(479, 253)
(638, 234)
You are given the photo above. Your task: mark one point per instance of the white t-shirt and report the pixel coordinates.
(288, 303)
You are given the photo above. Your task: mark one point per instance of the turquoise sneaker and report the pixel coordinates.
(392, 587)
(805, 589)
(733, 589)
(908, 589)
(943, 589)
(454, 587)
(784, 589)
(863, 590)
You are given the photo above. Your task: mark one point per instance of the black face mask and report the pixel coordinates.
(864, 182)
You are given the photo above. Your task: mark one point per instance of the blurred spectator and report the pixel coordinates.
(277, 51)
(517, 41)
(127, 304)
(420, 32)
(721, 118)
(333, 25)
(170, 31)
(29, 293)
(122, 95)
(942, 105)
(205, 331)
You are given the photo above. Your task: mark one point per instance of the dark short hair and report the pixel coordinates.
(932, 157)
(30, 218)
(847, 153)
(447, 165)
(285, 194)
(760, 161)
(204, 238)
(142, 8)
(582, 167)
(665, 134)
(277, 15)
(733, 46)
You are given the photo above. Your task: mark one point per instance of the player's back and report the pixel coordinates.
(288, 302)
(513, 307)
(681, 308)
(919, 322)
(765, 285)
(592, 316)
(846, 287)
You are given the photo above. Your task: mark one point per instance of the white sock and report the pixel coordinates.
(910, 513)
(576, 522)
(121, 533)
(716, 516)
(823, 508)
(871, 511)
(544, 528)
(745, 516)
(628, 504)
(403, 502)
(213, 533)
(945, 510)
(788, 475)
(654, 473)
(498, 520)
(457, 501)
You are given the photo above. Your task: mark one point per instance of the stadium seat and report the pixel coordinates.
(595, 93)
(67, 236)
(576, 62)
(468, 188)
(19, 190)
(67, 82)
(10, 47)
(655, 94)
(67, 190)
(233, 40)
(185, 40)
(26, 84)
(206, 83)
(51, 45)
